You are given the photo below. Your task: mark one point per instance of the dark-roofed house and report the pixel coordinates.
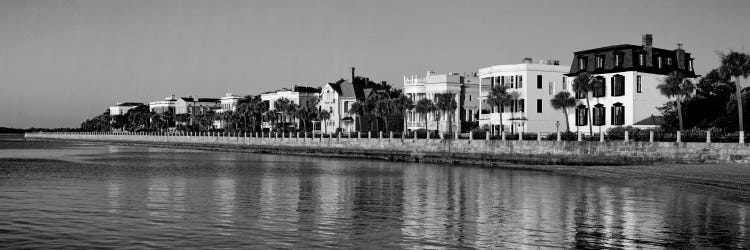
(192, 106)
(299, 95)
(338, 98)
(629, 75)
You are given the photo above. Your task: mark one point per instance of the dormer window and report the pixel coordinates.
(599, 61)
(618, 59)
(659, 60)
(690, 65)
(669, 61)
(641, 59)
(582, 63)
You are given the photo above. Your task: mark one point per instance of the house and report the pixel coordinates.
(629, 75)
(228, 102)
(534, 85)
(123, 107)
(299, 95)
(337, 98)
(192, 106)
(165, 106)
(465, 90)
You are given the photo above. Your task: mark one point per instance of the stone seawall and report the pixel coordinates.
(480, 152)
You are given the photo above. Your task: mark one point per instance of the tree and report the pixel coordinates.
(584, 83)
(271, 116)
(446, 103)
(563, 100)
(675, 85)
(383, 108)
(499, 97)
(358, 108)
(402, 103)
(281, 106)
(424, 107)
(324, 115)
(735, 64)
(205, 120)
(138, 118)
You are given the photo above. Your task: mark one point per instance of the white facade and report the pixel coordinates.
(123, 108)
(639, 101)
(465, 89)
(228, 103)
(168, 104)
(535, 85)
(303, 99)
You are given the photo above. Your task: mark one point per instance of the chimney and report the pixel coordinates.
(680, 54)
(352, 75)
(648, 40)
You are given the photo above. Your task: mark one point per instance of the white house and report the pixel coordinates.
(300, 95)
(228, 102)
(535, 84)
(337, 98)
(161, 107)
(629, 75)
(123, 108)
(465, 89)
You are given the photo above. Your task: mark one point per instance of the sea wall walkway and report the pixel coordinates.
(460, 151)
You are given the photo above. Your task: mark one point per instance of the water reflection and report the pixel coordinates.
(178, 199)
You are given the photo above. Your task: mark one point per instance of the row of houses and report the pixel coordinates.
(627, 96)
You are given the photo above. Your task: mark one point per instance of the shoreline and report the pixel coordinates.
(729, 181)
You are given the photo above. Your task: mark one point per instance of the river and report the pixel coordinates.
(56, 195)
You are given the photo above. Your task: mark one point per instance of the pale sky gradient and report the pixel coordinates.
(64, 61)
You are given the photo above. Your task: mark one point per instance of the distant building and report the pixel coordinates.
(228, 103)
(629, 75)
(535, 84)
(161, 107)
(192, 106)
(123, 108)
(338, 98)
(466, 92)
(300, 95)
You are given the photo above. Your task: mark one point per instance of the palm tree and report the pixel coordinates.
(424, 107)
(383, 109)
(271, 116)
(499, 97)
(736, 64)
(291, 111)
(563, 100)
(584, 83)
(676, 85)
(281, 106)
(358, 108)
(324, 115)
(446, 103)
(402, 103)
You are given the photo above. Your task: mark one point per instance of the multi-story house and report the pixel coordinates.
(192, 106)
(123, 108)
(165, 106)
(465, 90)
(228, 102)
(533, 85)
(338, 98)
(628, 76)
(299, 95)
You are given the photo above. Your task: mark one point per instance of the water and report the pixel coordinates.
(140, 197)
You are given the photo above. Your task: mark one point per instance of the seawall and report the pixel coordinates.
(463, 151)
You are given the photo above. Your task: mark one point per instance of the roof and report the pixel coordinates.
(190, 99)
(651, 121)
(129, 104)
(611, 47)
(360, 89)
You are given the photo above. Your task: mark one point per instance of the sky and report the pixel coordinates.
(64, 61)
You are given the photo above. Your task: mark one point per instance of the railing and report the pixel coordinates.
(639, 136)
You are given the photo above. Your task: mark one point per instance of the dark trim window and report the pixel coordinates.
(582, 63)
(690, 65)
(565, 83)
(659, 61)
(669, 61)
(599, 88)
(582, 116)
(580, 94)
(618, 85)
(539, 81)
(519, 82)
(502, 80)
(551, 87)
(539, 105)
(619, 59)
(599, 61)
(521, 105)
(641, 59)
(618, 114)
(598, 115)
(638, 84)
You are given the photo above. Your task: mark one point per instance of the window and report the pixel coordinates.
(539, 81)
(521, 105)
(551, 88)
(618, 59)
(618, 85)
(618, 114)
(502, 80)
(520, 82)
(641, 59)
(599, 87)
(581, 94)
(690, 65)
(582, 63)
(659, 62)
(469, 97)
(599, 61)
(669, 61)
(565, 83)
(512, 82)
(582, 116)
(539, 105)
(598, 115)
(638, 84)
(346, 107)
